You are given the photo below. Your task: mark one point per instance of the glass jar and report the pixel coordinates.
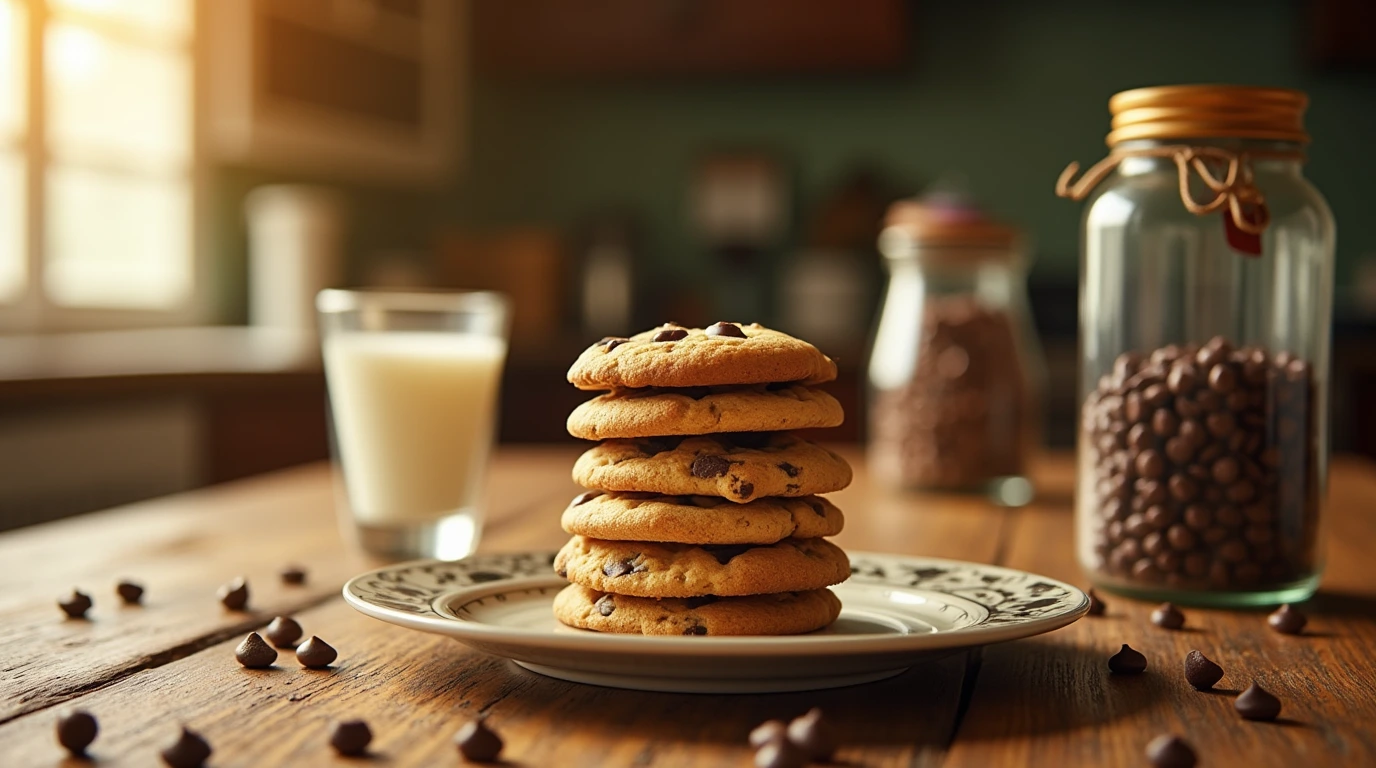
(1205, 313)
(955, 371)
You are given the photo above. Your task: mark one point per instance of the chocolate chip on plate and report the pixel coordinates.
(1096, 606)
(1170, 751)
(769, 730)
(234, 595)
(611, 342)
(190, 751)
(710, 466)
(351, 738)
(478, 743)
(671, 334)
(813, 735)
(129, 592)
(1287, 620)
(77, 605)
(316, 654)
(725, 329)
(1167, 616)
(253, 653)
(283, 632)
(76, 729)
(293, 575)
(1256, 703)
(1200, 672)
(1127, 662)
(780, 754)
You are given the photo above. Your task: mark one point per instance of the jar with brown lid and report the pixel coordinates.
(1205, 313)
(955, 372)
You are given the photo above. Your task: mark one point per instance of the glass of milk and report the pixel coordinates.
(413, 381)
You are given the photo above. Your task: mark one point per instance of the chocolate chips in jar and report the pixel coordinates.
(1205, 468)
(963, 417)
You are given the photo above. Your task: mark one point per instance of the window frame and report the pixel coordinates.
(34, 310)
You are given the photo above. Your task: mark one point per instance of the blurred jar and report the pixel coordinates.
(1205, 313)
(955, 373)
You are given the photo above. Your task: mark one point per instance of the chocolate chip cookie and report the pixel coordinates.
(784, 613)
(652, 569)
(704, 410)
(699, 519)
(741, 466)
(724, 353)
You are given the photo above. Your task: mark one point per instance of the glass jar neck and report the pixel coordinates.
(1272, 157)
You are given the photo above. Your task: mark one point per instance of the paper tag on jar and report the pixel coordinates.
(1245, 243)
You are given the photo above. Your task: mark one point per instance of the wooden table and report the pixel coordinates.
(1050, 701)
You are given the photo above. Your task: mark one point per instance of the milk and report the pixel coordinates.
(413, 418)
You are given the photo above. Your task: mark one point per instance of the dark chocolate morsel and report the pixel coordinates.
(478, 743)
(293, 575)
(622, 567)
(611, 342)
(77, 605)
(745, 490)
(190, 751)
(789, 469)
(1167, 616)
(606, 604)
(316, 654)
(1200, 672)
(584, 498)
(1127, 662)
(671, 334)
(129, 592)
(769, 730)
(710, 466)
(696, 629)
(1168, 751)
(283, 632)
(1287, 620)
(1256, 703)
(234, 595)
(1096, 606)
(725, 329)
(780, 754)
(76, 729)
(725, 553)
(351, 738)
(697, 602)
(253, 653)
(814, 736)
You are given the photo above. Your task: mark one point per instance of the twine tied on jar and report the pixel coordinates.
(1235, 188)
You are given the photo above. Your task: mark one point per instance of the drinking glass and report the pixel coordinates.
(413, 381)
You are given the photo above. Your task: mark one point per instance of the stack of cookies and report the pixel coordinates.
(701, 516)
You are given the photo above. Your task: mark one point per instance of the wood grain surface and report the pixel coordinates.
(1044, 701)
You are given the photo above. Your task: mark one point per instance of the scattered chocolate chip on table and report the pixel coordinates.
(477, 742)
(76, 730)
(316, 654)
(254, 653)
(234, 595)
(1201, 672)
(283, 632)
(1127, 661)
(351, 738)
(129, 592)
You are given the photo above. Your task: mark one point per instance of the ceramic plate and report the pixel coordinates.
(896, 611)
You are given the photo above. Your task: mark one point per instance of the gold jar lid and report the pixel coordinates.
(1208, 111)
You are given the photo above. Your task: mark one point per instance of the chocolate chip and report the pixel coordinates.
(1127, 662)
(671, 334)
(768, 731)
(780, 754)
(818, 508)
(1168, 751)
(697, 602)
(129, 592)
(283, 632)
(605, 604)
(745, 490)
(351, 738)
(622, 567)
(584, 498)
(234, 595)
(1096, 606)
(789, 469)
(190, 751)
(1200, 672)
(725, 553)
(293, 575)
(478, 743)
(254, 653)
(316, 653)
(1167, 616)
(696, 629)
(1256, 703)
(611, 342)
(710, 466)
(725, 329)
(76, 606)
(1287, 620)
(814, 736)
(76, 729)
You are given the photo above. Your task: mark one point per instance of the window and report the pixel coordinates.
(97, 172)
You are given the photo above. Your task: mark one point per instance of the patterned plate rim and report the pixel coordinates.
(1020, 604)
